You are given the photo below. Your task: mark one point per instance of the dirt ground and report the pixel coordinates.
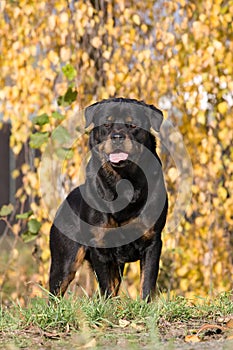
(191, 335)
(197, 334)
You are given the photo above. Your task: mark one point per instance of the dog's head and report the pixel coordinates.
(122, 129)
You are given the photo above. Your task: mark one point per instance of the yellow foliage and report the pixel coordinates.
(136, 19)
(135, 50)
(223, 107)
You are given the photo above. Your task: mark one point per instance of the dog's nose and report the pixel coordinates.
(118, 137)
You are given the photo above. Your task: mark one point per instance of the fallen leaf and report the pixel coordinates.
(210, 326)
(53, 335)
(139, 327)
(229, 324)
(90, 344)
(124, 323)
(223, 319)
(67, 328)
(192, 339)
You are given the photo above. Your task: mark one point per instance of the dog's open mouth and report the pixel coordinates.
(118, 157)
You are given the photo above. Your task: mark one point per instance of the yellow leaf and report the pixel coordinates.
(218, 268)
(111, 90)
(182, 3)
(230, 85)
(53, 57)
(85, 56)
(168, 38)
(14, 254)
(160, 46)
(222, 107)
(52, 22)
(217, 44)
(183, 271)
(202, 17)
(25, 168)
(222, 193)
(65, 53)
(107, 54)
(2, 6)
(184, 39)
(136, 19)
(203, 158)
(173, 174)
(64, 18)
(144, 28)
(90, 11)
(96, 42)
(15, 173)
(17, 148)
(201, 118)
(45, 255)
(106, 66)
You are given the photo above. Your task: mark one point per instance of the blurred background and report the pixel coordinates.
(57, 57)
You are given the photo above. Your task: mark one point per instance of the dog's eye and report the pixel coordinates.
(132, 126)
(107, 125)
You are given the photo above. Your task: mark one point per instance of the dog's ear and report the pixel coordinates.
(155, 116)
(90, 112)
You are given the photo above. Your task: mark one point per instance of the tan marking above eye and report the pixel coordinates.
(128, 119)
(110, 118)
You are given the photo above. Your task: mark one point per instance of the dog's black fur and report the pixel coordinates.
(121, 131)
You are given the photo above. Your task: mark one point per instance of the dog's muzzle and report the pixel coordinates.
(118, 155)
(118, 138)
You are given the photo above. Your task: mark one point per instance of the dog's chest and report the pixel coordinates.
(127, 239)
(127, 253)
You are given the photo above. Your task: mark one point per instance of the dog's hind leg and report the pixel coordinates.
(109, 276)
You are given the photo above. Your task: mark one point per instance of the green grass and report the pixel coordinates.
(101, 312)
(57, 314)
(105, 320)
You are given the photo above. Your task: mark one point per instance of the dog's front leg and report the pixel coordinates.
(66, 257)
(149, 265)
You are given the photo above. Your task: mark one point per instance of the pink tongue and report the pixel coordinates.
(117, 157)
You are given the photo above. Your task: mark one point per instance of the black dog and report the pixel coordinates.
(118, 214)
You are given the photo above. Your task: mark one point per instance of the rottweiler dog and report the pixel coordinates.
(118, 214)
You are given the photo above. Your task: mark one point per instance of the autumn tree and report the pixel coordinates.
(59, 56)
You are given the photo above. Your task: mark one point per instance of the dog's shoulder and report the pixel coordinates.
(75, 196)
(71, 203)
